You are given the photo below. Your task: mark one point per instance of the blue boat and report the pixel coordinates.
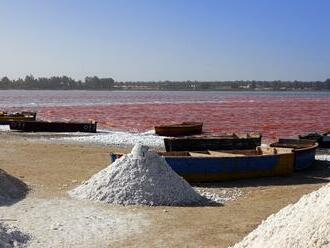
(304, 151)
(209, 166)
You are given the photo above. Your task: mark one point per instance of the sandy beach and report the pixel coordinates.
(51, 169)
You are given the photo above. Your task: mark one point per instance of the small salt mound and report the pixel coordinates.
(11, 188)
(141, 177)
(304, 224)
(323, 157)
(10, 237)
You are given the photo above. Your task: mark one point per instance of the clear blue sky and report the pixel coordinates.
(166, 39)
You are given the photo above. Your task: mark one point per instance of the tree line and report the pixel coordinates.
(96, 83)
(57, 83)
(226, 85)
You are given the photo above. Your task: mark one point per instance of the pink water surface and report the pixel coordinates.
(272, 114)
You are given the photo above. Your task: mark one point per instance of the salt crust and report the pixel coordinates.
(116, 138)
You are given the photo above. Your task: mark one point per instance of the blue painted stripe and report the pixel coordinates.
(222, 165)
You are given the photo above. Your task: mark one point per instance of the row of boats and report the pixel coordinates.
(200, 158)
(184, 136)
(187, 135)
(205, 158)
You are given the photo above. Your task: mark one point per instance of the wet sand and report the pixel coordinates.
(52, 169)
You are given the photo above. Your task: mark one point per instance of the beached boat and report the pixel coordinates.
(322, 139)
(204, 143)
(6, 118)
(304, 151)
(209, 166)
(182, 129)
(44, 126)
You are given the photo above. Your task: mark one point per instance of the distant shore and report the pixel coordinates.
(96, 83)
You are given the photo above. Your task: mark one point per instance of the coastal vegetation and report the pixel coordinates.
(96, 83)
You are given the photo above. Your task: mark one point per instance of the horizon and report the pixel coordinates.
(155, 81)
(154, 41)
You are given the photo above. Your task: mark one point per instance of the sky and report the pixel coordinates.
(151, 40)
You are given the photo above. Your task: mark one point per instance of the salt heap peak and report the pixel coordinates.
(141, 177)
(139, 151)
(303, 224)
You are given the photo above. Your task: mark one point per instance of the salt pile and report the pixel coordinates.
(304, 224)
(10, 237)
(11, 188)
(141, 177)
(4, 128)
(323, 157)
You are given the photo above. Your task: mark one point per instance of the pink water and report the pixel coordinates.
(274, 114)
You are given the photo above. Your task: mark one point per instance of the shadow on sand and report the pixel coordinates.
(12, 189)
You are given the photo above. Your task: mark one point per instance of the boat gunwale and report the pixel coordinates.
(312, 145)
(201, 137)
(214, 156)
(181, 125)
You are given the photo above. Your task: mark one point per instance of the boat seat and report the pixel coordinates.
(225, 154)
(272, 150)
(197, 154)
(215, 154)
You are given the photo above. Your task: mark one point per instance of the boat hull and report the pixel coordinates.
(225, 169)
(211, 143)
(212, 169)
(6, 119)
(183, 129)
(322, 140)
(304, 151)
(42, 126)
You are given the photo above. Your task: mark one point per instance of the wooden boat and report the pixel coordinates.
(209, 166)
(304, 151)
(204, 143)
(182, 129)
(6, 118)
(322, 139)
(44, 126)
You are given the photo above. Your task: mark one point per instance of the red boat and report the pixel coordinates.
(182, 129)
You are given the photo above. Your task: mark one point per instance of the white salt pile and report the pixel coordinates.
(323, 157)
(4, 128)
(11, 237)
(304, 224)
(141, 177)
(11, 188)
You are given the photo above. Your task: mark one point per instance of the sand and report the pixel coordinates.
(53, 169)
